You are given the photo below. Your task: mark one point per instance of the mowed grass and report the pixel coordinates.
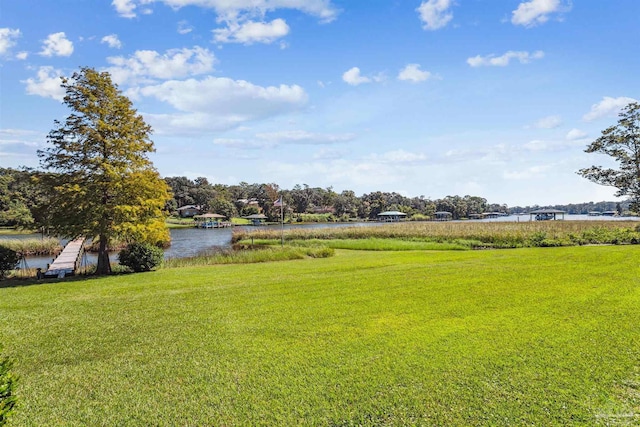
(541, 336)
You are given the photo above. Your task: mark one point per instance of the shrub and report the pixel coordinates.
(141, 256)
(9, 259)
(7, 390)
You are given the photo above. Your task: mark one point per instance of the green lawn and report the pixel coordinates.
(542, 336)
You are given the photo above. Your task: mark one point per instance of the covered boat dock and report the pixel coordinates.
(546, 214)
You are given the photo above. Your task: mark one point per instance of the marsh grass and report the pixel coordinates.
(534, 336)
(477, 235)
(37, 246)
(249, 255)
(375, 244)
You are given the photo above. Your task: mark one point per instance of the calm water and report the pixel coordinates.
(186, 242)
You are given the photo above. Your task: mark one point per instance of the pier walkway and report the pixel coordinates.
(68, 261)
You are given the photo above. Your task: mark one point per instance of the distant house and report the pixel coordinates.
(188, 211)
(391, 216)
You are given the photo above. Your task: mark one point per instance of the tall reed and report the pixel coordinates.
(488, 234)
(30, 247)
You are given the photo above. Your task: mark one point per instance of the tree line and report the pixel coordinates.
(23, 201)
(245, 199)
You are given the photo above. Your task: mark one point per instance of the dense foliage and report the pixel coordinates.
(7, 390)
(141, 257)
(9, 259)
(101, 181)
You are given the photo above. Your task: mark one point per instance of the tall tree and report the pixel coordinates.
(103, 185)
(622, 143)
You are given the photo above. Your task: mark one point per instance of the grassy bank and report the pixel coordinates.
(457, 338)
(470, 234)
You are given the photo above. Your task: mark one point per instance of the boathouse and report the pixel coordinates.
(391, 216)
(210, 220)
(256, 219)
(546, 214)
(443, 216)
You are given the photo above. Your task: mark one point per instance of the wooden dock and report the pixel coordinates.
(68, 261)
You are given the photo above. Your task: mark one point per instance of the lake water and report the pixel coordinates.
(187, 242)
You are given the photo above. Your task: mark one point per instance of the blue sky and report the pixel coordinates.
(495, 98)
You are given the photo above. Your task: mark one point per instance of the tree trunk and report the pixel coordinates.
(104, 266)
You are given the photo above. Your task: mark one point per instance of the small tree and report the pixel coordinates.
(9, 259)
(622, 143)
(7, 390)
(102, 183)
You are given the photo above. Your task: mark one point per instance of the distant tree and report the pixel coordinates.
(622, 143)
(102, 184)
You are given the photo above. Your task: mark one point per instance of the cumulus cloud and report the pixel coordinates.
(575, 134)
(354, 78)
(147, 65)
(46, 84)
(413, 73)
(57, 44)
(549, 122)
(232, 10)
(435, 14)
(251, 32)
(8, 38)
(22, 55)
(112, 40)
(216, 103)
(504, 60)
(608, 107)
(535, 12)
(127, 8)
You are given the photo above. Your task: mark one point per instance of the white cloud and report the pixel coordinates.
(549, 122)
(608, 107)
(413, 73)
(232, 9)
(126, 8)
(250, 32)
(504, 60)
(149, 64)
(215, 103)
(354, 78)
(184, 27)
(304, 137)
(46, 84)
(435, 13)
(57, 44)
(527, 173)
(534, 12)
(8, 38)
(575, 134)
(398, 157)
(112, 40)
(22, 55)
(289, 137)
